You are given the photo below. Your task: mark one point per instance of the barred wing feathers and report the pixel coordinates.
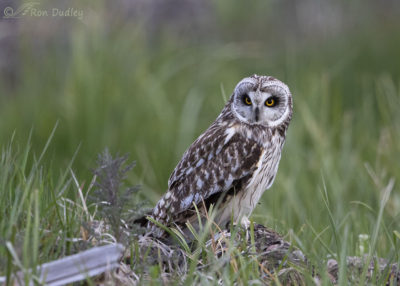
(217, 161)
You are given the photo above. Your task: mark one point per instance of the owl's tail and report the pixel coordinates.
(142, 221)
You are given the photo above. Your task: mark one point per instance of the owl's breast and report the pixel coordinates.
(263, 177)
(244, 201)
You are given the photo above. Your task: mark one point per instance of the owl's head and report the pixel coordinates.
(262, 100)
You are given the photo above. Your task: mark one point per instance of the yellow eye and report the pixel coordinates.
(270, 102)
(247, 100)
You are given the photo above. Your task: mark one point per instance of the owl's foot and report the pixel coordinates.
(245, 222)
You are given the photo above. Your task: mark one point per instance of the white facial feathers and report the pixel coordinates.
(262, 100)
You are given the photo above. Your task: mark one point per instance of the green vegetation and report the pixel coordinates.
(107, 84)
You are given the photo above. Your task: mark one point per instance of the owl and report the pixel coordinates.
(233, 162)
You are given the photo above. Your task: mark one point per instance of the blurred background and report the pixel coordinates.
(146, 77)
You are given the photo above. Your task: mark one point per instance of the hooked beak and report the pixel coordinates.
(257, 114)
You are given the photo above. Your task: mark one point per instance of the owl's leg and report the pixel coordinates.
(245, 223)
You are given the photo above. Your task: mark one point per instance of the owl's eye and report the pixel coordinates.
(270, 102)
(246, 99)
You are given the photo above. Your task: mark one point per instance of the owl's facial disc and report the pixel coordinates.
(263, 103)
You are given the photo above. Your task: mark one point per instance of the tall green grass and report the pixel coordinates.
(36, 220)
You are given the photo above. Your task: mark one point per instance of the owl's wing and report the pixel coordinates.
(216, 162)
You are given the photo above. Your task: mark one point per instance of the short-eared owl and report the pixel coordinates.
(234, 161)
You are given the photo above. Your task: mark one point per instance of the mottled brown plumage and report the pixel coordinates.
(234, 161)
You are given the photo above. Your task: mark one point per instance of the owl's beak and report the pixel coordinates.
(257, 113)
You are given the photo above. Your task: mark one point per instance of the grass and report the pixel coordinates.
(338, 178)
